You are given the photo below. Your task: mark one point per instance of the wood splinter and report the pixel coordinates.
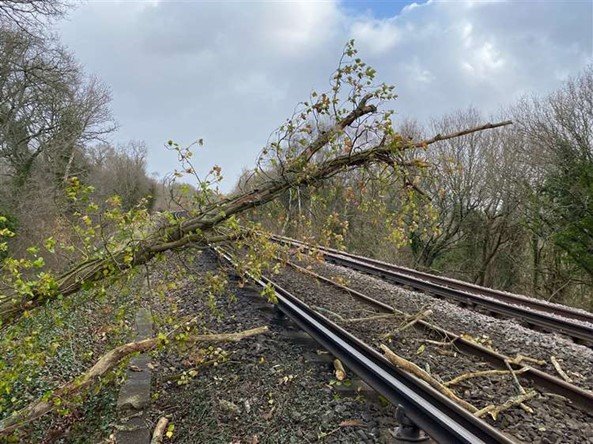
(159, 431)
(494, 411)
(340, 372)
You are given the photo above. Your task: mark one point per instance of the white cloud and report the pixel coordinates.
(419, 73)
(376, 36)
(231, 71)
(294, 27)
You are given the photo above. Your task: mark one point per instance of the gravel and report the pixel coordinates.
(527, 299)
(508, 336)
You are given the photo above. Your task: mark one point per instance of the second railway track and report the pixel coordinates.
(535, 314)
(580, 397)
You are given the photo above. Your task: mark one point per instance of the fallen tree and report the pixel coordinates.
(334, 133)
(358, 138)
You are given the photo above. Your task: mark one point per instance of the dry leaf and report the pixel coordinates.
(268, 416)
(352, 423)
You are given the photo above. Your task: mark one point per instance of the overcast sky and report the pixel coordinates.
(231, 72)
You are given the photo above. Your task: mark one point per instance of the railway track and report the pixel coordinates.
(438, 416)
(535, 314)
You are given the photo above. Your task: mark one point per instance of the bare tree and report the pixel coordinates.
(47, 106)
(121, 171)
(31, 15)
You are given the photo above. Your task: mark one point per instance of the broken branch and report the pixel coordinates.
(105, 363)
(198, 228)
(412, 368)
(159, 431)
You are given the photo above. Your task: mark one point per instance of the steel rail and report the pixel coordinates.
(580, 397)
(437, 415)
(579, 332)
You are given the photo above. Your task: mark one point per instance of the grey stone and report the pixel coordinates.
(134, 396)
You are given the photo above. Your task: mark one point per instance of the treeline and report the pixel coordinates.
(55, 120)
(510, 209)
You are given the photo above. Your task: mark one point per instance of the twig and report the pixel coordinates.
(438, 343)
(410, 321)
(485, 410)
(512, 402)
(515, 379)
(471, 375)
(419, 316)
(372, 318)
(329, 312)
(561, 372)
(520, 358)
